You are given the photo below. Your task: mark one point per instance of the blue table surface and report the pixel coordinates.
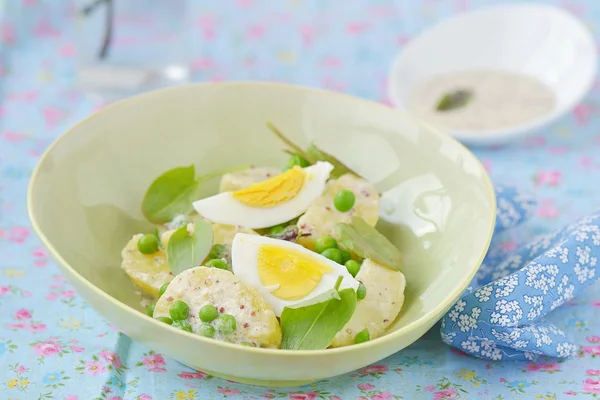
(54, 346)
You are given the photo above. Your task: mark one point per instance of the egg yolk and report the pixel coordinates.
(296, 273)
(271, 192)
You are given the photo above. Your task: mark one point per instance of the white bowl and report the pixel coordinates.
(537, 40)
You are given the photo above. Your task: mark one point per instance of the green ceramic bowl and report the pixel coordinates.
(438, 206)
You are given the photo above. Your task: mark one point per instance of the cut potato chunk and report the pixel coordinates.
(242, 179)
(380, 307)
(150, 271)
(321, 217)
(147, 271)
(255, 320)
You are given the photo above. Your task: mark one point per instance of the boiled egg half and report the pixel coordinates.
(285, 273)
(268, 203)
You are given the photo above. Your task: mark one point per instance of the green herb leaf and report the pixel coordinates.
(339, 168)
(185, 251)
(312, 154)
(453, 100)
(295, 148)
(312, 325)
(170, 194)
(289, 233)
(364, 240)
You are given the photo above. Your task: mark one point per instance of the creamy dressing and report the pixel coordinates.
(500, 99)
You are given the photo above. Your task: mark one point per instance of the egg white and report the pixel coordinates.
(244, 253)
(223, 208)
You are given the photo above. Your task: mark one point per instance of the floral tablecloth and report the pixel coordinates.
(54, 346)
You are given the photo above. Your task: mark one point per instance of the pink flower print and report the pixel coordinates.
(308, 34)
(51, 296)
(206, 23)
(331, 62)
(445, 394)
(366, 386)
(26, 293)
(303, 396)
(111, 358)
(373, 369)
(550, 178)
(458, 352)
(582, 113)
(357, 28)
(202, 63)
(95, 367)
(547, 209)
(593, 350)
(244, 3)
(4, 290)
(18, 325)
(67, 50)
(429, 388)
(335, 398)
(18, 234)
(76, 349)
(228, 392)
(592, 372)
(8, 33)
(558, 150)
(21, 368)
(268, 396)
(551, 366)
(192, 375)
(502, 380)
(382, 396)
(46, 349)
(154, 363)
(67, 294)
(22, 314)
(144, 397)
(72, 397)
(593, 339)
(14, 137)
(35, 328)
(508, 246)
(533, 367)
(591, 386)
(255, 32)
(52, 116)
(44, 29)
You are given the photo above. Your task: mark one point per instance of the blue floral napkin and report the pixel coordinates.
(500, 315)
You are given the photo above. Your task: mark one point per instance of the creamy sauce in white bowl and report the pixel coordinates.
(498, 99)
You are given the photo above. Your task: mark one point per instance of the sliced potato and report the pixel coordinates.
(255, 320)
(147, 271)
(242, 179)
(380, 307)
(321, 217)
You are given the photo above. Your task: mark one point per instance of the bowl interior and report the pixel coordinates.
(438, 206)
(537, 40)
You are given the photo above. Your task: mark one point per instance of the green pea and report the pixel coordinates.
(324, 243)
(248, 344)
(148, 244)
(150, 309)
(217, 251)
(297, 160)
(179, 310)
(163, 289)
(333, 255)
(208, 313)
(346, 256)
(344, 200)
(166, 320)
(353, 267)
(217, 263)
(274, 230)
(361, 292)
(206, 330)
(362, 336)
(183, 325)
(225, 323)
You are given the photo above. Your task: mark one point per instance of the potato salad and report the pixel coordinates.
(283, 258)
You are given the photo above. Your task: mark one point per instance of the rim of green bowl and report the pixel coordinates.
(387, 337)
